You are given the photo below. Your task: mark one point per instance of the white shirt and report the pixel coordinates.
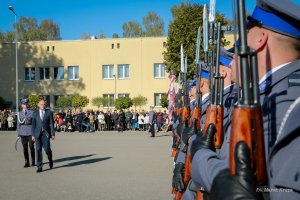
(42, 114)
(205, 96)
(272, 71)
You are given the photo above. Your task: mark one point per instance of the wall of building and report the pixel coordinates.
(140, 53)
(90, 55)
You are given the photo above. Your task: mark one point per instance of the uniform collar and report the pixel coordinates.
(277, 74)
(272, 71)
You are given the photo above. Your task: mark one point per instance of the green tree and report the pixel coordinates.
(132, 29)
(139, 101)
(164, 102)
(50, 29)
(64, 101)
(7, 36)
(115, 35)
(153, 24)
(123, 103)
(101, 36)
(187, 17)
(28, 29)
(34, 100)
(98, 102)
(79, 101)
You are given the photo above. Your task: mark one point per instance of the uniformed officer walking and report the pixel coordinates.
(24, 130)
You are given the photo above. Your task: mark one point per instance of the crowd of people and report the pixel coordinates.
(91, 121)
(118, 120)
(7, 120)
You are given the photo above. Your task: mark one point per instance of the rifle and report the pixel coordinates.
(185, 118)
(214, 114)
(246, 122)
(176, 115)
(195, 119)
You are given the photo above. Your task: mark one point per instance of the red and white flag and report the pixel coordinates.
(171, 97)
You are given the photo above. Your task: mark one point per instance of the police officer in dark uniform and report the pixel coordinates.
(24, 130)
(274, 33)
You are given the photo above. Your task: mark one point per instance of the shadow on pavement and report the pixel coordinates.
(70, 158)
(82, 162)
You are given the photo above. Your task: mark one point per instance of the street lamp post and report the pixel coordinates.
(11, 8)
(115, 96)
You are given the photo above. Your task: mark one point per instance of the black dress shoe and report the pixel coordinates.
(51, 164)
(39, 170)
(33, 164)
(26, 165)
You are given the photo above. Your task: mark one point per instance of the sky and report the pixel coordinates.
(77, 17)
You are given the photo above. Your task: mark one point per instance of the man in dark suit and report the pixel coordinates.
(42, 131)
(152, 121)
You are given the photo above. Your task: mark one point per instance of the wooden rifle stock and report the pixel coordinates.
(185, 113)
(214, 115)
(196, 117)
(247, 126)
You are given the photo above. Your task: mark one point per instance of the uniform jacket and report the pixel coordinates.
(279, 91)
(24, 123)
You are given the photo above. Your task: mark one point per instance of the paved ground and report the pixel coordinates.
(100, 166)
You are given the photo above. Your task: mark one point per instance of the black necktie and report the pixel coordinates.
(25, 111)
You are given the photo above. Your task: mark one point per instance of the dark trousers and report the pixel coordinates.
(27, 140)
(152, 130)
(42, 142)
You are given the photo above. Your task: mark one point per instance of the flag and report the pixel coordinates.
(171, 97)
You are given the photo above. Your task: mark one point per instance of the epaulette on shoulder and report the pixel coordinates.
(294, 79)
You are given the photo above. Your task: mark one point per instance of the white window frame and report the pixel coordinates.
(30, 71)
(120, 95)
(54, 78)
(159, 72)
(160, 96)
(123, 66)
(44, 73)
(110, 76)
(109, 96)
(73, 73)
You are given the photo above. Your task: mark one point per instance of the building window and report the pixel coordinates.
(112, 46)
(118, 45)
(29, 74)
(123, 71)
(47, 99)
(157, 98)
(55, 99)
(120, 95)
(48, 48)
(44, 73)
(59, 73)
(159, 70)
(110, 98)
(53, 48)
(73, 72)
(107, 71)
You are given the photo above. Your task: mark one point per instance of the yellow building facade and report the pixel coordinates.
(92, 68)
